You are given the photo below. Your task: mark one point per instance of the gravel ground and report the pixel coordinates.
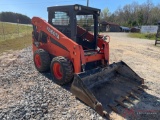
(28, 94)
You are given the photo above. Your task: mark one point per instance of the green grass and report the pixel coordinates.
(15, 44)
(143, 36)
(14, 36)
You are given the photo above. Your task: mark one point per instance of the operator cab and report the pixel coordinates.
(79, 23)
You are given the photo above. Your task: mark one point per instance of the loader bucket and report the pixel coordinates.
(105, 88)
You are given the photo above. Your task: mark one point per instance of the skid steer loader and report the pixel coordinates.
(69, 46)
(157, 41)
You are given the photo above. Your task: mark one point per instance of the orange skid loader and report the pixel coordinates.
(69, 46)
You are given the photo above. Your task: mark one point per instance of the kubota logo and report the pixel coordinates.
(53, 32)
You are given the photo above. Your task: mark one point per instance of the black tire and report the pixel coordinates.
(42, 60)
(61, 70)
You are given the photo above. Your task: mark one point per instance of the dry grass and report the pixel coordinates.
(16, 43)
(143, 36)
(14, 37)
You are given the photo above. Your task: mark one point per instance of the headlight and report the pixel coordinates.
(98, 12)
(76, 7)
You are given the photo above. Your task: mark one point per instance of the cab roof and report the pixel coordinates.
(82, 10)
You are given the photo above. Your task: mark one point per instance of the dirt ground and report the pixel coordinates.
(140, 54)
(20, 93)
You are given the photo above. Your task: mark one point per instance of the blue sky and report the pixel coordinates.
(39, 7)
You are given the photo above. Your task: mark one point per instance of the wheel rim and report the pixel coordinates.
(57, 71)
(37, 61)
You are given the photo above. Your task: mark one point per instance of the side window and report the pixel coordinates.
(35, 33)
(86, 22)
(60, 18)
(42, 37)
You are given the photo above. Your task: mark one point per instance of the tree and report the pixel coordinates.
(104, 14)
(134, 14)
(14, 17)
(140, 18)
(146, 8)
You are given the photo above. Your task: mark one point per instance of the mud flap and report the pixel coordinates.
(104, 88)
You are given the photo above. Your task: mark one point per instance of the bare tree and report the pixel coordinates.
(134, 14)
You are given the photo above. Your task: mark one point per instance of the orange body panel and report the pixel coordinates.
(67, 47)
